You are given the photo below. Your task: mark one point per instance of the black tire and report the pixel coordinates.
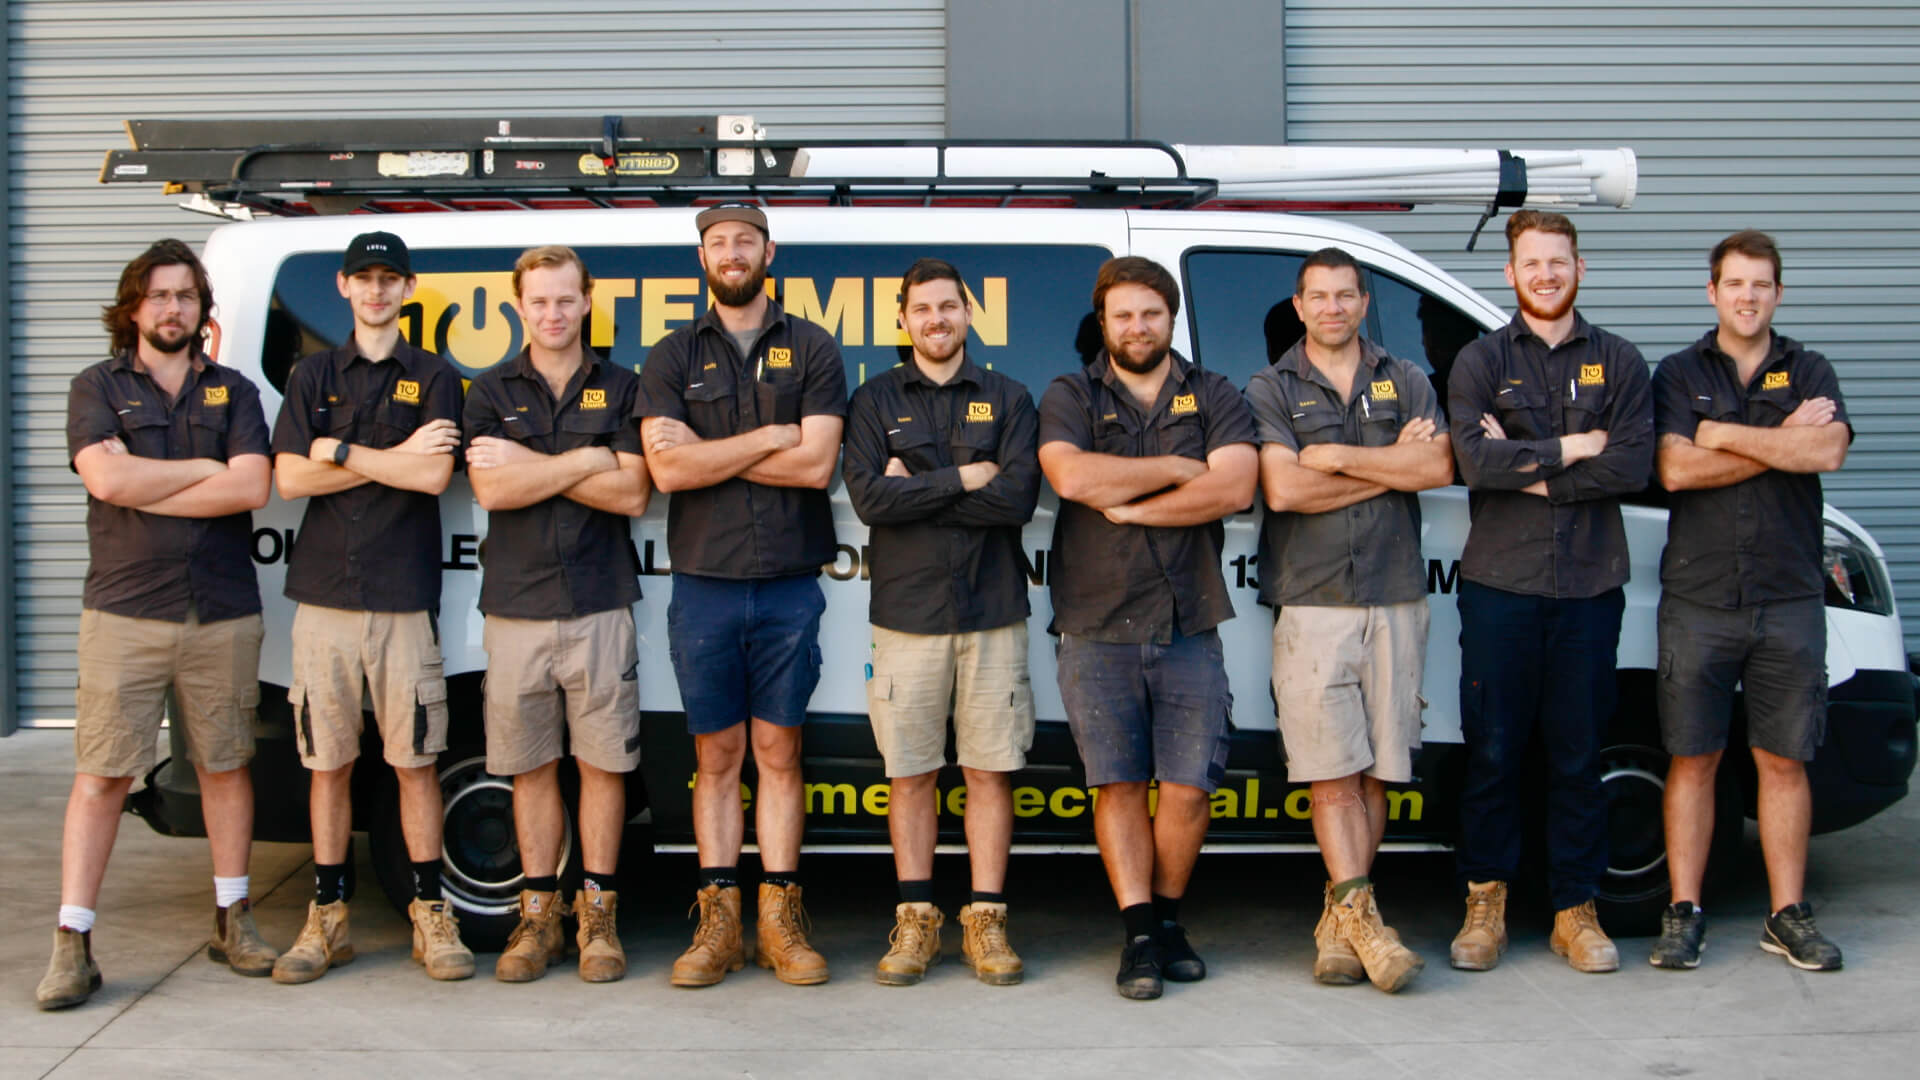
(1637, 887)
(480, 873)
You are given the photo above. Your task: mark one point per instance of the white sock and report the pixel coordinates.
(228, 891)
(75, 917)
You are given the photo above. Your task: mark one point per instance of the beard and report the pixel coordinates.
(167, 339)
(935, 354)
(742, 294)
(1155, 355)
(1541, 311)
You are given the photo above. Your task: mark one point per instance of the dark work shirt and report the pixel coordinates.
(556, 559)
(1756, 541)
(371, 547)
(1571, 544)
(153, 566)
(1360, 555)
(1139, 583)
(945, 560)
(738, 529)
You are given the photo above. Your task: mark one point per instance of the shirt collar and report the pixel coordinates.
(968, 373)
(521, 366)
(1582, 329)
(349, 351)
(711, 320)
(1372, 359)
(124, 360)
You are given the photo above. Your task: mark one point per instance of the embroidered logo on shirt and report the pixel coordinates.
(216, 395)
(1384, 391)
(407, 391)
(1181, 405)
(593, 399)
(1593, 375)
(334, 398)
(779, 358)
(1775, 380)
(979, 412)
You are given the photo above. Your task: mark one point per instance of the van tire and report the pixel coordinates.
(1637, 888)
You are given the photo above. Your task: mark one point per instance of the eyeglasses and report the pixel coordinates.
(161, 298)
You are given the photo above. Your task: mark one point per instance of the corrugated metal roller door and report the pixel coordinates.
(847, 68)
(1796, 118)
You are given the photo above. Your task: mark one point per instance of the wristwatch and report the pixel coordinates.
(340, 452)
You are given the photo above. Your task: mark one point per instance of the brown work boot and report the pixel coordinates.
(1483, 937)
(537, 940)
(1578, 937)
(984, 945)
(72, 976)
(322, 944)
(237, 942)
(780, 937)
(1334, 962)
(436, 941)
(915, 945)
(1390, 965)
(716, 947)
(601, 957)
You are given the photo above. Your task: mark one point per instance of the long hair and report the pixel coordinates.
(118, 316)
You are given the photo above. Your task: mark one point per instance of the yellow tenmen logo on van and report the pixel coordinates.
(593, 399)
(407, 391)
(979, 412)
(1384, 391)
(779, 358)
(1593, 375)
(216, 395)
(1182, 404)
(1775, 380)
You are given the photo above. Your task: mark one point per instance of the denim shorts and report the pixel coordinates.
(1148, 711)
(745, 648)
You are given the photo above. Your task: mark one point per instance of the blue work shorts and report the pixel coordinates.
(1148, 711)
(745, 648)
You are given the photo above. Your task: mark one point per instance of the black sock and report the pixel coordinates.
(727, 877)
(989, 897)
(329, 882)
(602, 882)
(1139, 920)
(426, 880)
(783, 878)
(917, 892)
(544, 883)
(1166, 909)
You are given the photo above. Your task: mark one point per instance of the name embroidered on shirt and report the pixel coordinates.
(593, 399)
(1384, 391)
(1182, 404)
(1309, 403)
(216, 395)
(1593, 375)
(903, 419)
(779, 358)
(407, 391)
(710, 365)
(979, 412)
(1775, 380)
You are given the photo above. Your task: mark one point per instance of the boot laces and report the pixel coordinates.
(990, 932)
(1480, 910)
(713, 916)
(440, 927)
(595, 921)
(909, 934)
(789, 919)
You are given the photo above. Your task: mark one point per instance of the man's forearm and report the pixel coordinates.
(796, 466)
(231, 491)
(139, 482)
(707, 462)
(625, 490)
(1408, 466)
(1797, 449)
(1300, 490)
(1682, 466)
(1207, 497)
(1104, 480)
(511, 487)
(425, 473)
(299, 477)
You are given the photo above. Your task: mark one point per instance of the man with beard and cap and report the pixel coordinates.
(368, 434)
(940, 462)
(172, 448)
(1552, 423)
(1348, 435)
(741, 413)
(1148, 453)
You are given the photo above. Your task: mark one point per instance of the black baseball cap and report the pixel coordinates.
(733, 211)
(377, 249)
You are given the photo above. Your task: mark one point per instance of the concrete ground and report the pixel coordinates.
(167, 1011)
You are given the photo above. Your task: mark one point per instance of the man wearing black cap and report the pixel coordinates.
(741, 414)
(367, 434)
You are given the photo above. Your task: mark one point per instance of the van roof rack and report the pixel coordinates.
(242, 168)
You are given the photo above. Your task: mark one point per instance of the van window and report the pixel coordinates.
(1419, 327)
(1029, 301)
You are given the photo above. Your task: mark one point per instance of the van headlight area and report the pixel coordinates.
(1870, 748)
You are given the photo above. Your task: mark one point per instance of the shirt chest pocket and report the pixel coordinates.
(1715, 407)
(530, 429)
(208, 426)
(916, 449)
(1380, 422)
(976, 440)
(588, 427)
(711, 411)
(1116, 436)
(1523, 414)
(1582, 412)
(1314, 427)
(144, 430)
(1769, 408)
(1183, 435)
(392, 423)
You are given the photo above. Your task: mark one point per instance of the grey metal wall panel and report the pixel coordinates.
(1801, 119)
(77, 69)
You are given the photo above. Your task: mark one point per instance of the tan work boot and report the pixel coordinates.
(1390, 965)
(536, 941)
(322, 944)
(1334, 962)
(915, 945)
(716, 947)
(1578, 937)
(1483, 937)
(780, 937)
(237, 942)
(436, 941)
(72, 976)
(984, 945)
(601, 957)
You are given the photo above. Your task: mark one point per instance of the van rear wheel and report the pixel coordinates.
(1636, 887)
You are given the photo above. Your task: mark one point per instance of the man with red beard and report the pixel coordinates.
(1552, 422)
(1148, 452)
(741, 413)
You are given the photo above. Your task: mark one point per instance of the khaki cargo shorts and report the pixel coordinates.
(979, 678)
(1347, 680)
(340, 658)
(126, 666)
(555, 682)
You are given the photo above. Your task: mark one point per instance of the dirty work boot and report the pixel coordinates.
(716, 947)
(984, 945)
(1334, 962)
(780, 937)
(601, 957)
(1483, 937)
(914, 945)
(536, 941)
(1578, 937)
(237, 942)
(1790, 932)
(1390, 965)
(1683, 931)
(322, 944)
(436, 941)
(72, 976)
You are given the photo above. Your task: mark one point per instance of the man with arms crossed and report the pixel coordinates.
(555, 461)
(1348, 435)
(1148, 453)
(1552, 423)
(741, 412)
(940, 462)
(368, 434)
(1748, 420)
(172, 449)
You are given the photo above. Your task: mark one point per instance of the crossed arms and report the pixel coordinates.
(173, 487)
(1331, 476)
(1167, 490)
(1720, 453)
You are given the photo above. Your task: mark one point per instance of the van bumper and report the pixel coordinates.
(1868, 757)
